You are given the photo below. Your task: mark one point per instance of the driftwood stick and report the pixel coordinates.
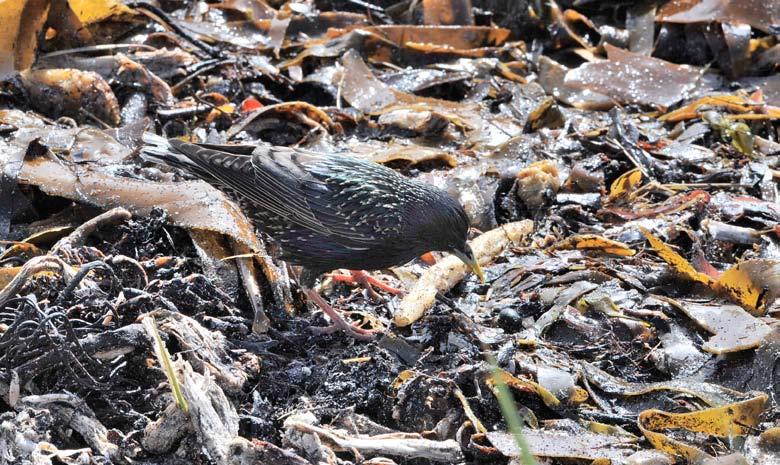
(444, 275)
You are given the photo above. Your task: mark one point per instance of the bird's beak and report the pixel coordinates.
(467, 257)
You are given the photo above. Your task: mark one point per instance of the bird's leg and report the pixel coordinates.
(339, 323)
(367, 282)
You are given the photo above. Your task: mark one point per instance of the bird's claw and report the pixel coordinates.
(367, 282)
(351, 330)
(339, 323)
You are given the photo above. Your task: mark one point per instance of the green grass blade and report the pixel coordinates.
(509, 410)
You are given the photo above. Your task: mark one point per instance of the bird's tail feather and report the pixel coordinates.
(157, 149)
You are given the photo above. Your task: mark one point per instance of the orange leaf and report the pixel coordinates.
(625, 184)
(675, 260)
(594, 242)
(250, 104)
(733, 103)
(428, 258)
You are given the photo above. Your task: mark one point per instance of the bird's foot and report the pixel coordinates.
(339, 323)
(367, 282)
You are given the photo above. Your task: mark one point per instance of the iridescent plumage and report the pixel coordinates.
(326, 211)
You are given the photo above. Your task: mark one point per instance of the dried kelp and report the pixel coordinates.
(618, 163)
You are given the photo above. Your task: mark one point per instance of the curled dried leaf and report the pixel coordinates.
(71, 92)
(270, 118)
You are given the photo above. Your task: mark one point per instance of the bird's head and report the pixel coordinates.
(451, 228)
(467, 256)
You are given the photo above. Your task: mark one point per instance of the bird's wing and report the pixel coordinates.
(351, 199)
(300, 188)
(361, 197)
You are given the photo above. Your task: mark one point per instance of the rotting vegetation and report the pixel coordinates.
(619, 164)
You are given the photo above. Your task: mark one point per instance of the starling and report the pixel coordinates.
(326, 211)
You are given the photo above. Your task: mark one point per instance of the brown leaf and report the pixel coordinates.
(634, 78)
(760, 14)
(192, 204)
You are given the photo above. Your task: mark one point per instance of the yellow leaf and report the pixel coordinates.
(527, 386)
(603, 428)
(752, 283)
(470, 412)
(22, 21)
(737, 419)
(675, 260)
(578, 396)
(94, 11)
(220, 111)
(625, 184)
(674, 447)
(403, 378)
(768, 112)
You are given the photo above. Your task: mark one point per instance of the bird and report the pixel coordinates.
(326, 211)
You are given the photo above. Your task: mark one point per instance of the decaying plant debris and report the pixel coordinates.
(619, 162)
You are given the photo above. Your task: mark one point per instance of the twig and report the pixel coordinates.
(80, 234)
(182, 113)
(96, 48)
(367, 5)
(32, 267)
(248, 272)
(177, 87)
(161, 17)
(408, 445)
